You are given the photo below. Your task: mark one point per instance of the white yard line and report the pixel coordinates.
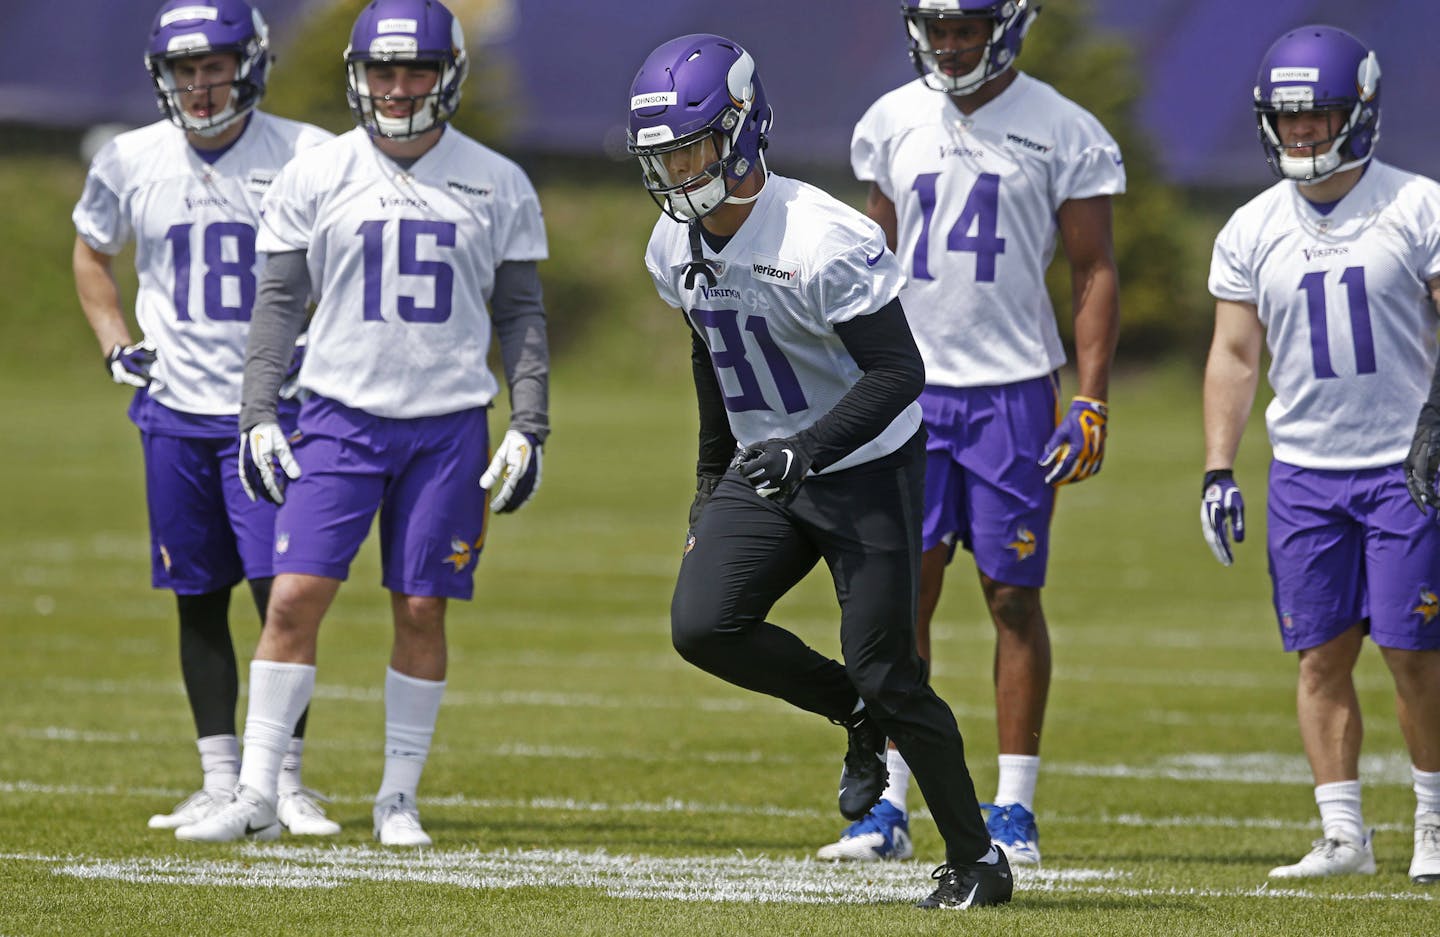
(716, 879)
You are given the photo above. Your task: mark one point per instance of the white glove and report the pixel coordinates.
(261, 446)
(516, 467)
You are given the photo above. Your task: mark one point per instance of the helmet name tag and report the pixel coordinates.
(653, 99)
(397, 25)
(185, 14)
(1294, 74)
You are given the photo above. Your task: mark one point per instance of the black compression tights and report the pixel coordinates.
(207, 658)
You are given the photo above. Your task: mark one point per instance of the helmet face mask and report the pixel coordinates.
(1009, 21)
(697, 108)
(193, 30)
(412, 35)
(1319, 69)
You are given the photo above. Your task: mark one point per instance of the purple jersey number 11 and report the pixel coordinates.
(981, 212)
(1313, 284)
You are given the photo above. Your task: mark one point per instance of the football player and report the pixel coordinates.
(187, 190)
(974, 169)
(421, 243)
(810, 439)
(1335, 269)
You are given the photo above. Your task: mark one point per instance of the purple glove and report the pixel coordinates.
(1077, 447)
(130, 364)
(1222, 502)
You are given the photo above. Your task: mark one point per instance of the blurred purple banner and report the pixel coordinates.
(570, 63)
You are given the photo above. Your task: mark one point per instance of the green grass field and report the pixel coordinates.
(586, 781)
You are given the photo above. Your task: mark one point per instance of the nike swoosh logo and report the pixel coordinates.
(970, 897)
(789, 461)
(252, 830)
(844, 789)
(872, 261)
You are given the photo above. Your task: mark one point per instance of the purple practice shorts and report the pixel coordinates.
(983, 482)
(1346, 546)
(205, 534)
(422, 474)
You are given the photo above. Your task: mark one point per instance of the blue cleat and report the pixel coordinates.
(1012, 828)
(883, 833)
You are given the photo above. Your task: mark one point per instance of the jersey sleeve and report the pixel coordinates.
(287, 214)
(659, 267)
(522, 236)
(859, 280)
(1232, 276)
(866, 156)
(1093, 166)
(99, 220)
(1429, 267)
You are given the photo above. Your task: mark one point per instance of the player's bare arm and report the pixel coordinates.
(100, 296)
(1232, 374)
(882, 211)
(1085, 233)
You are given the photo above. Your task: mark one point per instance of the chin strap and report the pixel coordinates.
(698, 265)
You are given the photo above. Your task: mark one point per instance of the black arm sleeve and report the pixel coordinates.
(278, 319)
(717, 442)
(882, 345)
(518, 315)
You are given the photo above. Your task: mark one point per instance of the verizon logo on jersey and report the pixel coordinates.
(772, 270)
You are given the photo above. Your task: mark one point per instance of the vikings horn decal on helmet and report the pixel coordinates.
(1011, 18)
(406, 32)
(699, 94)
(1319, 68)
(186, 28)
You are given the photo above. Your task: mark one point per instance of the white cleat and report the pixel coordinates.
(1425, 867)
(397, 822)
(192, 809)
(299, 811)
(1332, 857)
(249, 816)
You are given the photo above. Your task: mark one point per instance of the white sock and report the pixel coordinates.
(279, 693)
(290, 766)
(1016, 784)
(898, 787)
(220, 761)
(1427, 790)
(1339, 804)
(411, 708)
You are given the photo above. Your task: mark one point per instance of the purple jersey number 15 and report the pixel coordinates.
(441, 273)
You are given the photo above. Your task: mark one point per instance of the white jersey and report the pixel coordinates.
(403, 262)
(975, 199)
(1346, 312)
(801, 263)
(194, 226)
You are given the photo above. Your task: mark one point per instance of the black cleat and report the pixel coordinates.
(863, 779)
(971, 886)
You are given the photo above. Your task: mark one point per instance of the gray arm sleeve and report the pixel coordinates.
(518, 316)
(278, 319)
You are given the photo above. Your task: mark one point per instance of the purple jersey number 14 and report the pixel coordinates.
(1313, 284)
(981, 212)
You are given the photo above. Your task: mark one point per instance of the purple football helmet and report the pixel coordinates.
(698, 91)
(1319, 68)
(186, 28)
(1011, 18)
(406, 32)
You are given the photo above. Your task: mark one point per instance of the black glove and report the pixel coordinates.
(1423, 462)
(774, 468)
(704, 488)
